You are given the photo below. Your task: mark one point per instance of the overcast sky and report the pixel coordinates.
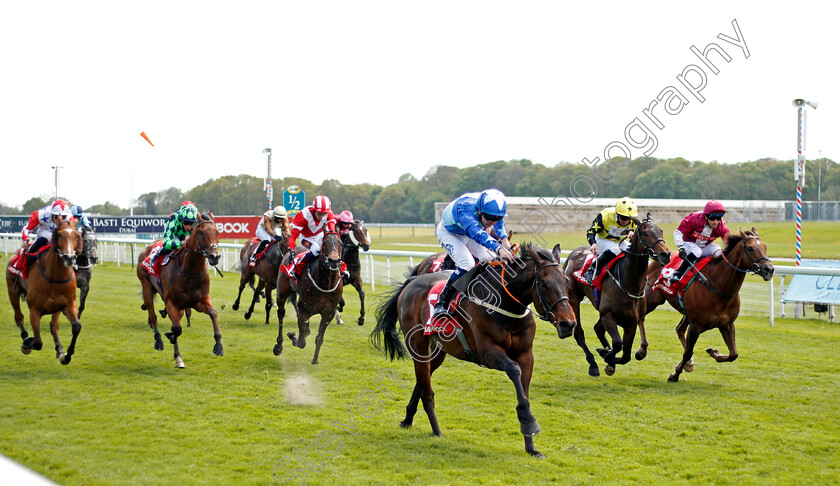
(364, 91)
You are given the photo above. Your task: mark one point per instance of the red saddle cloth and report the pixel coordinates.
(447, 324)
(19, 263)
(154, 271)
(663, 282)
(599, 278)
(438, 262)
(261, 254)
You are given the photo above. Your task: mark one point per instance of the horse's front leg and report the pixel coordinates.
(149, 306)
(728, 333)
(14, 298)
(641, 353)
(495, 358)
(244, 277)
(175, 316)
(75, 325)
(627, 345)
(269, 301)
(85, 289)
(257, 290)
(690, 341)
(206, 306)
(681, 328)
(326, 317)
(59, 349)
(35, 341)
(610, 325)
(282, 293)
(580, 339)
(360, 289)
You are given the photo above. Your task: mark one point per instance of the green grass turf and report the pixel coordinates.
(121, 413)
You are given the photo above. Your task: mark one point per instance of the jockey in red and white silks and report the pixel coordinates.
(695, 234)
(309, 225)
(42, 223)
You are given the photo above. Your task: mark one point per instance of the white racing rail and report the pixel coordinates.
(377, 266)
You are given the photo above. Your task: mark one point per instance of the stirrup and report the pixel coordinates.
(441, 310)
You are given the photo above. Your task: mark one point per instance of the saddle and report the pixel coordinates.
(23, 259)
(261, 254)
(663, 282)
(598, 280)
(447, 325)
(154, 271)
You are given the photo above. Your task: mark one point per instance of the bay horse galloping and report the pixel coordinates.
(357, 237)
(319, 293)
(713, 301)
(84, 265)
(497, 332)
(621, 301)
(266, 269)
(50, 289)
(184, 283)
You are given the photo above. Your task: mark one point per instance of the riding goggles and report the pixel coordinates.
(714, 216)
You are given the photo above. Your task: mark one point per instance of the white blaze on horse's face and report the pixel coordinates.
(69, 249)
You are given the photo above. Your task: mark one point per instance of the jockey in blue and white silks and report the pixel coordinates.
(462, 232)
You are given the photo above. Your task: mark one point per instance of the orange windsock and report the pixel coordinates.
(143, 134)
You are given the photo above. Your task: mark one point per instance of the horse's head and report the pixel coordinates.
(648, 239)
(747, 252)
(67, 242)
(359, 235)
(90, 247)
(331, 250)
(204, 239)
(549, 289)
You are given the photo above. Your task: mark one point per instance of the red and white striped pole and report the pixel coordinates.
(799, 175)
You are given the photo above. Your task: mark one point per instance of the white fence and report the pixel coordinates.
(386, 267)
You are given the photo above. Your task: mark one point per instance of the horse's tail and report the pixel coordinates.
(412, 272)
(387, 315)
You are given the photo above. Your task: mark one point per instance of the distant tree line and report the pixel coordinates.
(411, 200)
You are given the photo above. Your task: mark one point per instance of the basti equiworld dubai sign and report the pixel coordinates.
(229, 226)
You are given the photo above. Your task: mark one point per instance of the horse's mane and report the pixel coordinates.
(525, 252)
(734, 240)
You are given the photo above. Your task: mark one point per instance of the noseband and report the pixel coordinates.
(649, 250)
(202, 250)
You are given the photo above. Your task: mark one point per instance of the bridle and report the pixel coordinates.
(538, 282)
(202, 250)
(755, 266)
(649, 250)
(333, 267)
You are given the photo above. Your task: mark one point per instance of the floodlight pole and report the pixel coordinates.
(56, 167)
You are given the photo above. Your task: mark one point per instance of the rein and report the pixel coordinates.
(753, 269)
(201, 251)
(48, 279)
(535, 287)
(648, 253)
(327, 266)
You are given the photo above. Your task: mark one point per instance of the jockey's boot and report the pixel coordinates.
(308, 257)
(687, 261)
(442, 305)
(603, 260)
(257, 251)
(157, 256)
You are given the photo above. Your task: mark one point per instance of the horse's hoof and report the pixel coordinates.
(603, 351)
(235, 306)
(673, 378)
(143, 306)
(641, 355)
(594, 371)
(171, 337)
(713, 352)
(314, 361)
(609, 370)
(162, 313)
(537, 454)
(688, 368)
(247, 315)
(25, 349)
(277, 350)
(361, 321)
(405, 424)
(28, 342)
(179, 363)
(65, 360)
(530, 429)
(218, 350)
(338, 320)
(158, 345)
